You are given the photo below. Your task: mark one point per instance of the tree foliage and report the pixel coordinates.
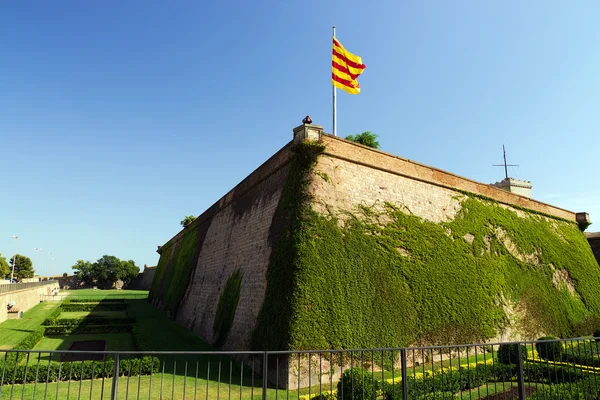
(367, 138)
(23, 266)
(4, 268)
(188, 219)
(106, 271)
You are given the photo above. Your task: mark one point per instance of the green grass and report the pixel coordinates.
(15, 330)
(114, 341)
(93, 314)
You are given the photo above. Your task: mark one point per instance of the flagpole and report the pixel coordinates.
(334, 101)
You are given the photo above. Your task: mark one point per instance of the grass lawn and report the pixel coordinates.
(94, 314)
(15, 330)
(114, 341)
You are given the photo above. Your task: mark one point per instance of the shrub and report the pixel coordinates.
(31, 339)
(86, 329)
(508, 353)
(549, 350)
(356, 383)
(80, 370)
(93, 306)
(73, 322)
(139, 338)
(597, 334)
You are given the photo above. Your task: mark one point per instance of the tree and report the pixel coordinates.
(4, 268)
(23, 266)
(187, 220)
(106, 271)
(128, 271)
(367, 138)
(84, 270)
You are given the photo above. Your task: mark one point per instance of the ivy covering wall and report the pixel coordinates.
(174, 269)
(365, 284)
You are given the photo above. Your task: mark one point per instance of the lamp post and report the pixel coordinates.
(37, 258)
(12, 275)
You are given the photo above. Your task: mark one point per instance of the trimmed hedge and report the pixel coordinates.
(88, 321)
(93, 307)
(551, 351)
(86, 329)
(356, 383)
(80, 370)
(140, 339)
(31, 339)
(94, 301)
(508, 353)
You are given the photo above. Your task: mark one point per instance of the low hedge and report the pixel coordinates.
(31, 339)
(550, 351)
(356, 383)
(96, 301)
(466, 379)
(86, 329)
(140, 339)
(79, 370)
(93, 307)
(508, 353)
(88, 321)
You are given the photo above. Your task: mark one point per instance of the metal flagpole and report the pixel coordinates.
(334, 101)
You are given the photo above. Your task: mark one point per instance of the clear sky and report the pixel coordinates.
(118, 118)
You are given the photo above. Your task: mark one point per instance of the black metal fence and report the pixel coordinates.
(554, 369)
(11, 287)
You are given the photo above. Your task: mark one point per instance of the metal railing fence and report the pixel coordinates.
(11, 287)
(552, 369)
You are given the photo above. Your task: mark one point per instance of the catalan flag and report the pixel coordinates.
(345, 68)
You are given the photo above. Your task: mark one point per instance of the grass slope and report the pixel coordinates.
(14, 330)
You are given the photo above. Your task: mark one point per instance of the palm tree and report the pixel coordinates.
(367, 138)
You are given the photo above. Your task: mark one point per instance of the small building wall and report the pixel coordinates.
(594, 241)
(26, 298)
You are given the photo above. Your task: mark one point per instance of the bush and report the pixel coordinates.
(93, 306)
(597, 334)
(550, 351)
(79, 370)
(31, 339)
(356, 383)
(139, 338)
(73, 322)
(508, 353)
(94, 301)
(87, 329)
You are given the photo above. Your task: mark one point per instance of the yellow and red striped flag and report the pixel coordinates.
(345, 68)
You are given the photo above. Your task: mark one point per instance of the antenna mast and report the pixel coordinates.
(505, 165)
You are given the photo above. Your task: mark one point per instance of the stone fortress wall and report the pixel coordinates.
(238, 232)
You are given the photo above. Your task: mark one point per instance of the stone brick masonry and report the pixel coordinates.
(239, 227)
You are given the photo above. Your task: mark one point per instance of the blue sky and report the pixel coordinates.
(118, 118)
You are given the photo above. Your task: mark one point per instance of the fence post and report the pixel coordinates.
(265, 369)
(115, 382)
(520, 372)
(404, 374)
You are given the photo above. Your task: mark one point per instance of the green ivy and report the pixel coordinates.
(272, 329)
(174, 269)
(361, 285)
(226, 307)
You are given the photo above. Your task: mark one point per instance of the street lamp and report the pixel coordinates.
(12, 275)
(37, 258)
